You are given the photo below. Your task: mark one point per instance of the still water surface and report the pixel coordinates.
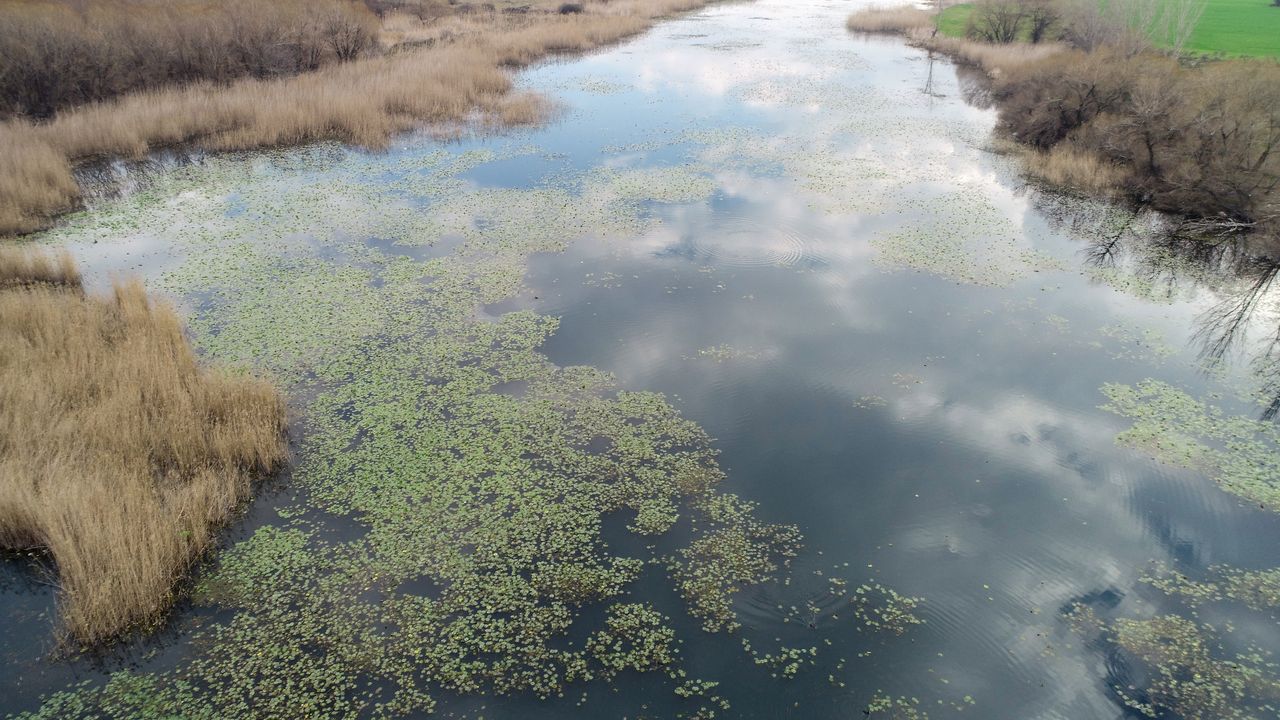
(896, 344)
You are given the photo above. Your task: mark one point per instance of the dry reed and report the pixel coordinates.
(459, 68)
(898, 19)
(61, 53)
(994, 59)
(21, 268)
(119, 455)
(1070, 168)
(918, 27)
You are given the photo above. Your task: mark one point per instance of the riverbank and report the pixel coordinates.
(119, 455)
(1116, 119)
(453, 70)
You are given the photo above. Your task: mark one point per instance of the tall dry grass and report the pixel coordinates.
(896, 19)
(993, 58)
(19, 268)
(460, 68)
(119, 455)
(918, 27)
(1067, 167)
(61, 53)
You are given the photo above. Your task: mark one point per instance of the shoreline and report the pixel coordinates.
(461, 70)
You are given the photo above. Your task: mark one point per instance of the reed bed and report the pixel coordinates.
(993, 58)
(457, 67)
(897, 19)
(119, 455)
(1074, 169)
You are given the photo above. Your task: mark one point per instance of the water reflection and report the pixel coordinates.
(898, 345)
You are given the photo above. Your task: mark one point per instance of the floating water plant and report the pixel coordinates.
(1184, 676)
(1241, 454)
(1257, 589)
(450, 531)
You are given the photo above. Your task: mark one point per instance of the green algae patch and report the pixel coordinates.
(1186, 673)
(1241, 454)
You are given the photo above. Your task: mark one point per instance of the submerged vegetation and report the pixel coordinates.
(119, 455)
(1257, 589)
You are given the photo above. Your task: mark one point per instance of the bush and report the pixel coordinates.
(60, 53)
(1203, 143)
(1043, 101)
(996, 21)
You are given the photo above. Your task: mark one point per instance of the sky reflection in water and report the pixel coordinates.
(898, 346)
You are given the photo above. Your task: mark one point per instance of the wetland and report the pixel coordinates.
(756, 383)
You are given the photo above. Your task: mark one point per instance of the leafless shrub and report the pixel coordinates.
(60, 53)
(996, 21)
(454, 68)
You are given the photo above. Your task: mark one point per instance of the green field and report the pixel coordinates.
(1231, 27)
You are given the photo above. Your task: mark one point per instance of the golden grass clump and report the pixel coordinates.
(993, 58)
(119, 455)
(448, 69)
(20, 268)
(899, 19)
(1065, 166)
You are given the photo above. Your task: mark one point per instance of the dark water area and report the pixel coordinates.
(897, 345)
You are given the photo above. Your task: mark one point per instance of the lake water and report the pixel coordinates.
(805, 241)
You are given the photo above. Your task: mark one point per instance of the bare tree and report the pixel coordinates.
(1041, 15)
(1181, 18)
(996, 21)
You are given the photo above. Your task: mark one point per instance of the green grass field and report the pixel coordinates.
(1231, 27)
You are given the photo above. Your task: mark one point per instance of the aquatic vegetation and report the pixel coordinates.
(898, 708)
(450, 530)
(788, 660)
(977, 244)
(1240, 453)
(600, 86)
(879, 608)
(1133, 342)
(1183, 674)
(1257, 589)
(723, 353)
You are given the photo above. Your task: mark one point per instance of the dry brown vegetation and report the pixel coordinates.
(919, 28)
(445, 70)
(119, 455)
(1068, 168)
(1110, 115)
(1201, 142)
(899, 19)
(60, 53)
(26, 269)
(992, 58)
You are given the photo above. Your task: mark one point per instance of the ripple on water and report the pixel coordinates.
(745, 242)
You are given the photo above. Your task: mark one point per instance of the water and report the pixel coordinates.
(804, 240)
